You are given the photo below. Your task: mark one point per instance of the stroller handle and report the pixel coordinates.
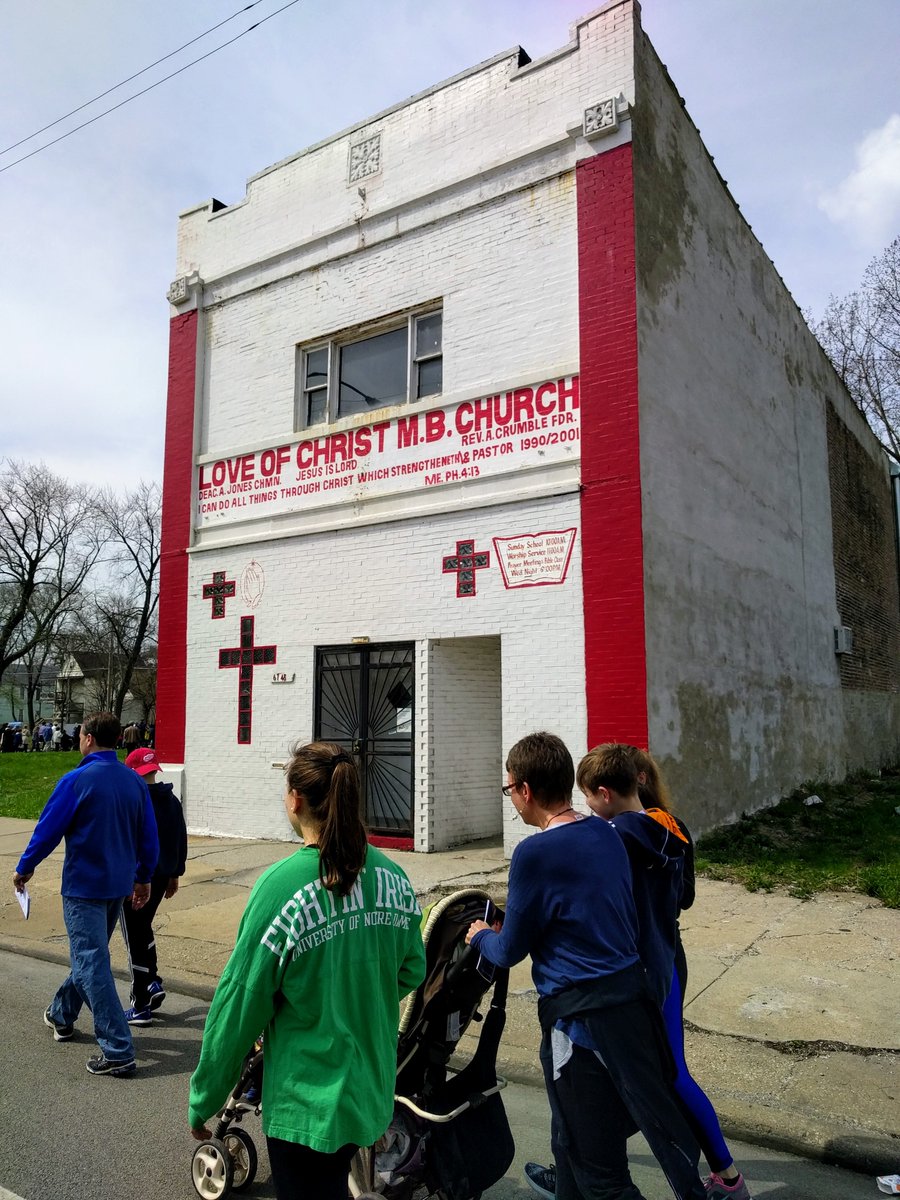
(444, 1118)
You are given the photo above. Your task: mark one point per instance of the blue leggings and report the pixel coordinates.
(699, 1111)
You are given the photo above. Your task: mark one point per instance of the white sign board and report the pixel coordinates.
(493, 435)
(535, 559)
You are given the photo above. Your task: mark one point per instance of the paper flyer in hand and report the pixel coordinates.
(484, 968)
(24, 902)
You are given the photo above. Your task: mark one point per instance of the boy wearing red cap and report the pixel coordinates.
(147, 992)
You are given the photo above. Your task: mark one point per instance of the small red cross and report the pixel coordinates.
(218, 591)
(464, 563)
(245, 657)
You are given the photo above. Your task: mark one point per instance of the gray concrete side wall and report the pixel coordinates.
(744, 689)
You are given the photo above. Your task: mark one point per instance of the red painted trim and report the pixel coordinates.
(390, 843)
(611, 531)
(178, 469)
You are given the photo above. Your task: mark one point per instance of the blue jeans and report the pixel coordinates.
(89, 924)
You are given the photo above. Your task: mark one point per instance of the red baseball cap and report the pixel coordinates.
(143, 761)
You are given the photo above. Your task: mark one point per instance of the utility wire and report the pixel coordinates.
(149, 88)
(116, 86)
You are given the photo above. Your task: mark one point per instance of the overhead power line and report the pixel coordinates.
(115, 87)
(149, 88)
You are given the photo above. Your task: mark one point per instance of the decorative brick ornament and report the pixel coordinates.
(601, 118)
(178, 290)
(365, 159)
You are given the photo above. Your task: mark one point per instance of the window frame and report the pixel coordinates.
(334, 345)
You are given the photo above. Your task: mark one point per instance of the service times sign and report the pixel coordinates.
(493, 435)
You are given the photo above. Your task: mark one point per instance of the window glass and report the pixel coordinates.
(347, 378)
(316, 367)
(428, 335)
(316, 406)
(373, 373)
(431, 377)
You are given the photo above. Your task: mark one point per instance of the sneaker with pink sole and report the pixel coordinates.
(718, 1188)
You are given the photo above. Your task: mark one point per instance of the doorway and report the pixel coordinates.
(365, 702)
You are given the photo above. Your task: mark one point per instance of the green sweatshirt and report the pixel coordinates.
(322, 976)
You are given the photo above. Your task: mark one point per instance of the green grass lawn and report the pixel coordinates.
(849, 842)
(26, 780)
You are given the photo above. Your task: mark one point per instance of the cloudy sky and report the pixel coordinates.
(797, 100)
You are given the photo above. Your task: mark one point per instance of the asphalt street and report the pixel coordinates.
(68, 1135)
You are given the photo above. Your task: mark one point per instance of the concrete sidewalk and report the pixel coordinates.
(793, 1008)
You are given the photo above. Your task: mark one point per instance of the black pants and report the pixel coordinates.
(303, 1174)
(140, 940)
(596, 1108)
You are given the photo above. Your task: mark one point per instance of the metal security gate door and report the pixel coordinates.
(364, 702)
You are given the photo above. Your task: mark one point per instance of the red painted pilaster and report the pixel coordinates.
(611, 533)
(177, 511)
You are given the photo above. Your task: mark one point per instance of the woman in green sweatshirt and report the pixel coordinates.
(328, 945)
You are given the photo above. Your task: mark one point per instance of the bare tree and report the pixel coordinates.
(861, 335)
(49, 541)
(129, 608)
(10, 693)
(143, 684)
(33, 667)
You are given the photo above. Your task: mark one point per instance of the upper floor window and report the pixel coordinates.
(396, 363)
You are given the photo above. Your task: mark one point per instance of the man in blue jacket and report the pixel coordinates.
(103, 811)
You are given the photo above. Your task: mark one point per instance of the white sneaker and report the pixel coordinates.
(542, 1179)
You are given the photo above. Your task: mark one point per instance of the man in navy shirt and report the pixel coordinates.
(103, 811)
(606, 1063)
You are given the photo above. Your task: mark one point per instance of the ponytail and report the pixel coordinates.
(653, 792)
(326, 777)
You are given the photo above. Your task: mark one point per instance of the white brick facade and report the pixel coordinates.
(385, 583)
(428, 202)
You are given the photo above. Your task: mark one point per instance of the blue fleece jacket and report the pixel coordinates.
(103, 811)
(570, 907)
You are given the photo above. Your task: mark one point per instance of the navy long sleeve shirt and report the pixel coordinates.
(570, 906)
(657, 859)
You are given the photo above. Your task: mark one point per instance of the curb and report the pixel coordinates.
(869, 1152)
(183, 984)
(865, 1151)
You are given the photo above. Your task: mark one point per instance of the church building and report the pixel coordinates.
(490, 414)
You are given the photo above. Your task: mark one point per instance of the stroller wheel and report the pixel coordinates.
(212, 1173)
(240, 1147)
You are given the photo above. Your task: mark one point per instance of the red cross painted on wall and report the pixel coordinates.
(464, 563)
(220, 590)
(245, 657)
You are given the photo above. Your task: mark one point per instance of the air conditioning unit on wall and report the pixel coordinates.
(843, 639)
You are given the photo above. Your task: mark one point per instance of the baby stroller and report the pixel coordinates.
(227, 1162)
(450, 1137)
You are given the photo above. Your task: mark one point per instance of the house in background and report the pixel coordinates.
(87, 681)
(14, 693)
